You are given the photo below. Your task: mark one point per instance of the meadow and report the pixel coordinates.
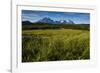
(55, 44)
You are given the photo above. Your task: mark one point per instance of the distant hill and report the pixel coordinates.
(26, 22)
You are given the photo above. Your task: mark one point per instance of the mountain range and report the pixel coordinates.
(51, 21)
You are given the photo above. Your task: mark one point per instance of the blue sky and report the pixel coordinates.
(78, 18)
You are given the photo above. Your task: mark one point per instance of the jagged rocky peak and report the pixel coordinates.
(70, 22)
(46, 20)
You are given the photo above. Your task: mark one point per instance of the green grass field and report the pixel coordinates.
(55, 44)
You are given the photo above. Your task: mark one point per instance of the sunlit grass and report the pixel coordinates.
(55, 44)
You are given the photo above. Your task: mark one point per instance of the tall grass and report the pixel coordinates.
(55, 44)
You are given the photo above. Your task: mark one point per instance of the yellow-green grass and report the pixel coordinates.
(55, 44)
